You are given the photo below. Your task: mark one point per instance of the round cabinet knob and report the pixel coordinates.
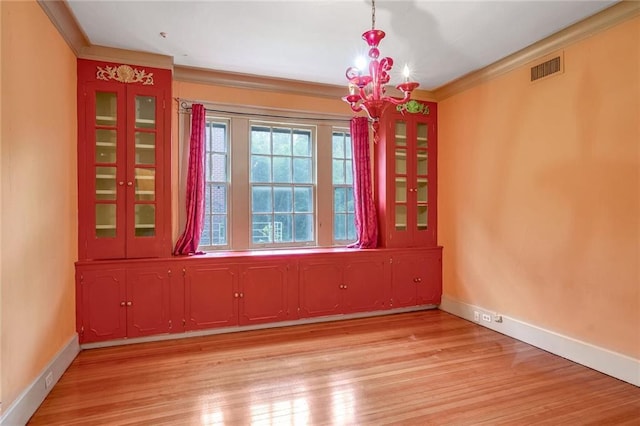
(129, 303)
(236, 295)
(418, 280)
(122, 303)
(121, 183)
(241, 295)
(130, 183)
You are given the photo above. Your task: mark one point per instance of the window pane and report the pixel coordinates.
(106, 109)
(106, 183)
(217, 136)
(218, 168)
(260, 168)
(339, 226)
(105, 220)
(261, 229)
(302, 170)
(145, 184)
(304, 227)
(350, 201)
(283, 200)
(106, 141)
(348, 172)
(338, 171)
(260, 140)
(281, 142)
(219, 199)
(145, 148)
(351, 227)
(205, 236)
(219, 230)
(302, 143)
(283, 228)
(282, 169)
(145, 220)
(338, 145)
(303, 200)
(347, 144)
(339, 200)
(261, 199)
(145, 112)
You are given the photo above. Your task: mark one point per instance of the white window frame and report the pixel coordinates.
(293, 126)
(239, 193)
(344, 132)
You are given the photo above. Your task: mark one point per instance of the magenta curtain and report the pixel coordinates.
(190, 238)
(365, 209)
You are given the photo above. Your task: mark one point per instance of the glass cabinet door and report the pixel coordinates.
(422, 181)
(401, 183)
(106, 157)
(144, 200)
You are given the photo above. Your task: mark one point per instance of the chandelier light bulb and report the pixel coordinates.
(406, 73)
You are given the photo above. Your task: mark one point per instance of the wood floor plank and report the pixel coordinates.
(422, 368)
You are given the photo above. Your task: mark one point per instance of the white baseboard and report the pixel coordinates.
(29, 400)
(608, 362)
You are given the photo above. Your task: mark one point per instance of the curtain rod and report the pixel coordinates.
(186, 107)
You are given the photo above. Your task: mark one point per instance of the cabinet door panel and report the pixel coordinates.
(103, 295)
(145, 173)
(148, 301)
(264, 291)
(364, 282)
(320, 292)
(429, 289)
(103, 143)
(209, 297)
(403, 282)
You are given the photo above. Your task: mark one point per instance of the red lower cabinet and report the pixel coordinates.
(124, 302)
(224, 295)
(101, 297)
(416, 278)
(340, 285)
(136, 298)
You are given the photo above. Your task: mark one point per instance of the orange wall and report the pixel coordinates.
(39, 208)
(539, 193)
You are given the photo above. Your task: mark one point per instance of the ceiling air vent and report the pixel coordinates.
(547, 68)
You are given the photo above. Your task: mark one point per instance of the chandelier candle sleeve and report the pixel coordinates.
(367, 91)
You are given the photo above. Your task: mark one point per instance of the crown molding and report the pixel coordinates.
(61, 17)
(269, 84)
(256, 82)
(601, 21)
(130, 57)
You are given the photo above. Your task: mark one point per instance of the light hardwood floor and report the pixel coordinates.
(422, 368)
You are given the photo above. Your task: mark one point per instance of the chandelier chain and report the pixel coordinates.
(373, 14)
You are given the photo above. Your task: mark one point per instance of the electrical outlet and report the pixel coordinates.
(476, 316)
(486, 317)
(497, 317)
(48, 380)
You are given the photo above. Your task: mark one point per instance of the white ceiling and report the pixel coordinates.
(316, 40)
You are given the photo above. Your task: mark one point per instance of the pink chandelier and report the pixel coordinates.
(367, 92)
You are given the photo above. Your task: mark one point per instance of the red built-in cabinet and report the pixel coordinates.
(123, 161)
(348, 283)
(406, 176)
(115, 302)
